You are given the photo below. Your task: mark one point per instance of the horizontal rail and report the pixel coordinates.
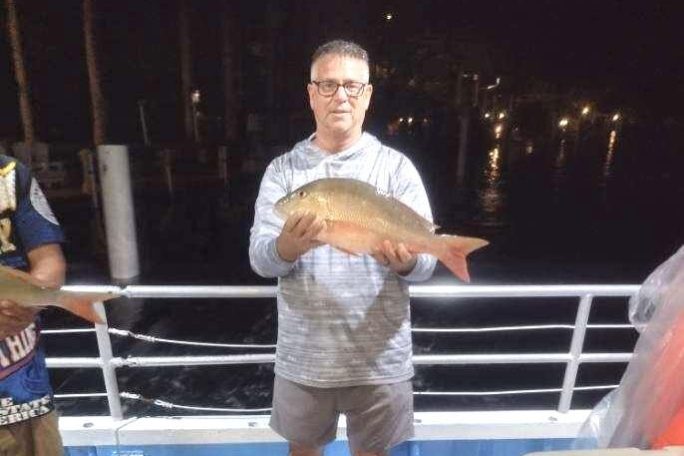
(75, 362)
(416, 291)
(266, 358)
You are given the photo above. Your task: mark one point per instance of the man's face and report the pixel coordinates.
(339, 115)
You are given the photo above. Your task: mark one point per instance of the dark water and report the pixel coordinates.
(563, 210)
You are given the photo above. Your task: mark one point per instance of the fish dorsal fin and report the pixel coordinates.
(24, 277)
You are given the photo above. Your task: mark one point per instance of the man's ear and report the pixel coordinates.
(311, 89)
(368, 92)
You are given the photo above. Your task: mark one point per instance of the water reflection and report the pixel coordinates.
(561, 157)
(610, 153)
(490, 195)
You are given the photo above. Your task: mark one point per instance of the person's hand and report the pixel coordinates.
(14, 318)
(299, 235)
(396, 257)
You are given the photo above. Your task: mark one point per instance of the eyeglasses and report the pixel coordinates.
(329, 88)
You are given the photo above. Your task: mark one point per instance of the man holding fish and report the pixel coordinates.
(30, 238)
(344, 223)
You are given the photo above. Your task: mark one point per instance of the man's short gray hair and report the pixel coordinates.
(342, 48)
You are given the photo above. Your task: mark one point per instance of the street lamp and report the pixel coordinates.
(586, 110)
(616, 117)
(389, 16)
(563, 123)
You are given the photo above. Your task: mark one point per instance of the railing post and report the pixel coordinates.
(575, 352)
(104, 345)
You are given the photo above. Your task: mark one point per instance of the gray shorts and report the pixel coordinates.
(378, 416)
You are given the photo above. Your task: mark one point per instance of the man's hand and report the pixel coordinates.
(396, 257)
(299, 235)
(14, 318)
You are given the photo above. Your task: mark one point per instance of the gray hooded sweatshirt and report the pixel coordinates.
(343, 320)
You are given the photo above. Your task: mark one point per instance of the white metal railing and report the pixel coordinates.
(572, 359)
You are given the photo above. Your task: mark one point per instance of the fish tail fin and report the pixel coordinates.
(454, 251)
(81, 304)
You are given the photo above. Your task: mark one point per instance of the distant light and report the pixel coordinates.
(616, 117)
(586, 110)
(564, 122)
(410, 120)
(487, 115)
(502, 115)
(389, 16)
(401, 120)
(495, 85)
(529, 147)
(425, 120)
(497, 130)
(195, 96)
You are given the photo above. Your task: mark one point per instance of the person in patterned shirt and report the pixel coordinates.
(30, 239)
(344, 324)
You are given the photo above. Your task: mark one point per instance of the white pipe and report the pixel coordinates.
(104, 345)
(416, 291)
(117, 199)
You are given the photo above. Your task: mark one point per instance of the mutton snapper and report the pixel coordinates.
(358, 218)
(27, 291)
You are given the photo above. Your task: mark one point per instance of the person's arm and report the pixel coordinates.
(46, 263)
(263, 252)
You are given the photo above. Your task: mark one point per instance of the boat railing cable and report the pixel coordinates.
(170, 405)
(153, 339)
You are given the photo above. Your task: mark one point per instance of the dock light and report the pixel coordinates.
(586, 110)
(497, 131)
(563, 122)
(389, 16)
(502, 115)
(616, 117)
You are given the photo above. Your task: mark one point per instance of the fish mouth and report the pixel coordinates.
(279, 207)
(280, 212)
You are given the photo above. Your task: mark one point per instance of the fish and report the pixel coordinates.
(358, 218)
(27, 291)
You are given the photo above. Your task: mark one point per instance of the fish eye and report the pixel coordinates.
(301, 193)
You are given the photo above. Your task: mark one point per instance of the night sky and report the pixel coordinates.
(629, 50)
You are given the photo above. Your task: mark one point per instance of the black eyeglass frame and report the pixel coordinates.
(338, 85)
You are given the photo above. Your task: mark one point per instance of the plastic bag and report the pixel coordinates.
(644, 303)
(651, 391)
